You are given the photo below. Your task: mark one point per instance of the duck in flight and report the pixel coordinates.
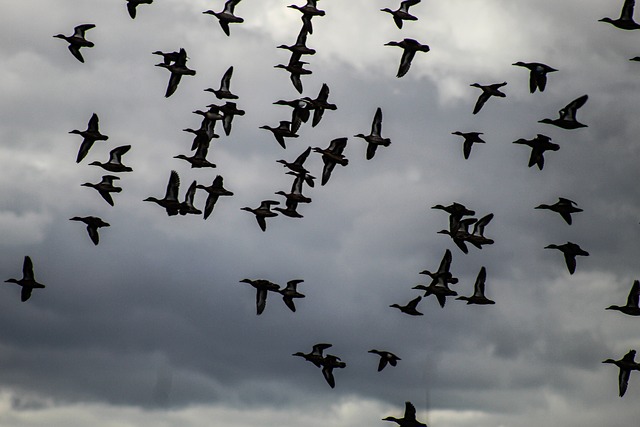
(625, 21)
(402, 13)
(281, 132)
(570, 250)
(374, 139)
(178, 69)
(77, 40)
(320, 104)
(626, 365)
(331, 156)
(409, 47)
(262, 287)
(225, 83)
(105, 187)
(290, 292)
(309, 10)
(297, 166)
(300, 46)
(564, 207)
(478, 296)
(410, 308)
(92, 223)
(262, 212)
(329, 363)
(409, 418)
(296, 69)
(170, 200)
(567, 119)
(91, 135)
(115, 160)
(537, 74)
(199, 158)
(316, 355)
(469, 139)
(539, 145)
(187, 207)
(132, 4)
(28, 281)
(386, 358)
(631, 307)
(215, 190)
(227, 16)
(487, 92)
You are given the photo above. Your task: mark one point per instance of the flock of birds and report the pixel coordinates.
(460, 218)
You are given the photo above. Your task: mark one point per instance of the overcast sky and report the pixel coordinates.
(152, 327)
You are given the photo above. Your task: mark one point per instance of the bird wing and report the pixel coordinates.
(338, 145)
(226, 79)
(376, 125)
(382, 363)
(174, 80)
(131, 7)
(371, 150)
(566, 216)
(115, 155)
(634, 294)
(571, 262)
(289, 303)
(27, 268)
(445, 263)
(209, 204)
(80, 29)
(297, 82)
(478, 287)
(623, 379)
(405, 62)
(25, 293)
(627, 10)
(86, 145)
(173, 186)
(261, 300)
(409, 411)
(106, 196)
(484, 96)
(327, 372)
(75, 51)
(329, 164)
(569, 112)
(93, 234)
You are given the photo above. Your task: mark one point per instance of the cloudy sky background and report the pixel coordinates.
(152, 328)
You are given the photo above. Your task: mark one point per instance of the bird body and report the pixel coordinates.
(374, 139)
(77, 40)
(487, 92)
(262, 287)
(331, 156)
(478, 296)
(564, 207)
(567, 119)
(263, 211)
(539, 145)
(115, 160)
(631, 308)
(402, 13)
(224, 92)
(92, 223)
(28, 281)
(626, 365)
(410, 47)
(91, 135)
(469, 139)
(537, 74)
(386, 357)
(409, 418)
(170, 200)
(625, 21)
(410, 308)
(215, 190)
(105, 187)
(570, 250)
(226, 16)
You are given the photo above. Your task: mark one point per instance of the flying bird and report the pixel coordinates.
(224, 92)
(28, 281)
(625, 21)
(626, 365)
(297, 166)
(478, 296)
(410, 47)
(570, 250)
(469, 139)
(187, 207)
(386, 357)
(281, 132)
(487, 92)
(170, 200)
(91, 135)
(227, 16)
(320, 104)
(409, 418)
(564, 207)
(296, 70)
(199, 158)
(374, 139)
(410, 308)
(567, 119)
(309, 10)
(631, 307)
(215, 190)
(178, 69)
(105, 187)
(290, 292)
(539, 145)
(132, 4)
(92, 223)
(331, 156)
(77, 40)
(262, 212)
(115, 160)
(329, 363)
(315, 356)
(402, 13)
(262, 287)
(537, 74)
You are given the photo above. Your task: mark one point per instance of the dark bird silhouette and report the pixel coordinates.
(105, 187)
(170, 200)
(296, 189)
(329, 363)
(297, 166)
(625, 21)
(476, 237)
(262, 212)
(320, 104)
(92, 223)
(296, 70)
(215, 190)
(91, 135)
(402, 13)
(537, 74)
(77, 40)
(300, 46)
(309, 10)
(410, 308)
(374, 139)
(290, 209)
(315, 356)
(28, 281)
(229, 110)
(227, 16)
(187, 207)
(225, 83)
(440, 281)
(456, 210)
(631, 307)
(262, 287)
(564, 207)
(132, 4)
(487, 92)
(331, 156)
(539, 145)
(290, 292)
(410, 47)
(281, 132)
(478, 296)
(386, 357)
(626, 365)
(443, 272)
(115, 160)
(178, 69)
(469, 139)
(567, 119)
(409, 418)
(199, 159)
(570, 251)
(167, 57)
(301, 111)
